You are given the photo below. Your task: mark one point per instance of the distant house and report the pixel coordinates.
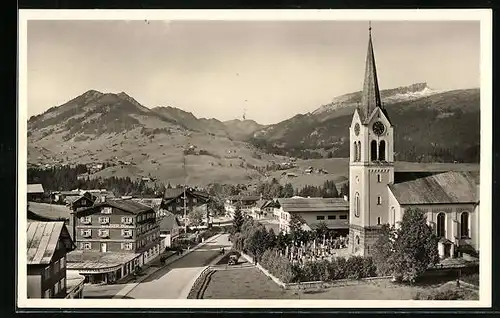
(334, 212)
(35, 192)
(173, 199)
(247, 203)
(263, 208)
(47, 246)
(170, 228)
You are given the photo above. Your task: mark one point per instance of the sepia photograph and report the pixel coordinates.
(249, 158)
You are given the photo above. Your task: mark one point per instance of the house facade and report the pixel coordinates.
(35, 192)
(247, 203)
(333, 212)
(47, 246)
(379, 195)
(113, 238)
(175, 198)
(170, 229)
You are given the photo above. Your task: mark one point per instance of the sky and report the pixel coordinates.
(271, 70)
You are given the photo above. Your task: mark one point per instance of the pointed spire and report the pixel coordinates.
(370, 98)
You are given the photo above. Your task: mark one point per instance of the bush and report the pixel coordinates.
(449, 294)
(355, 267)
(278, 266)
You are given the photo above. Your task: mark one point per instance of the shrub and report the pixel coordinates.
(355, 267)
(449, 294)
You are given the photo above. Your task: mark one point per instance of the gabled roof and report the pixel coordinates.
(442, 188)
(50, 211)
(154, 203)
(35, 188)
(42, 239)
(35, 217)
(313, 204)
(124, 205)
(173, 193)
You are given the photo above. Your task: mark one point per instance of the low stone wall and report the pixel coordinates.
(316, 284)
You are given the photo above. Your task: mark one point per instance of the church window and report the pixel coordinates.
(464, 225)
(357, 239)
(355, 151)
(378, 220)
(379, 200)
(441, 218)
(359, 151)
(393, 214)
(356, 204)
(379, 178)
(381, 150)
(373, 151)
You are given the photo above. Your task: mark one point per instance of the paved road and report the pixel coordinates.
(171, 281)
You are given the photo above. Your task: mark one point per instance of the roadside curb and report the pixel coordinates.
(187, 289)
(127, 289)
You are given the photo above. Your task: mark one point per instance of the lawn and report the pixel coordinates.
(251, 283)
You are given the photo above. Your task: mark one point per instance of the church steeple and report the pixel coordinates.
(370, 98)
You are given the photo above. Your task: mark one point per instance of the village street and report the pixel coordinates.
(173, 281)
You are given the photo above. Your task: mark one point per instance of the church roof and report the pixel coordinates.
(370, 97)
(443, 188)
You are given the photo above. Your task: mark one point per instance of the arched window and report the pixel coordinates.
(373, 151)
(379, 200)
(393, 215)
(355, 151)
(379, 178)
(356, 205)
(464, 224)
(359, 150)
(357, 240)
(378, 220)
(441, 221)
(381, 150)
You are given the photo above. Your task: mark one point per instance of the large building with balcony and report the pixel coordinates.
(114, 238)
(175, 199)
(333, 212)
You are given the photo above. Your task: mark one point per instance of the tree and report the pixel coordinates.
(322, 231)
(384, 249)
(196, 216)
(237, 219)
(288, 190)
(296, 222)
(408, 250)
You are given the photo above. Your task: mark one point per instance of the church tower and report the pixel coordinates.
(371, 165)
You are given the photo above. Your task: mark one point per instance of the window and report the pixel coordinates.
(55, 268)
(46, 294)
(441, 218)
(46, 272)
(86, 232)
(373, 151)
(356, 204)
(464, 225)
(355, 151)
(103, 233)
(85, 245)
(357, 239)
(379, 200)
(126, 220)
(332, 217)
(127, 233)
(381, 150)
(104, 220)
(378, 220)
(393, 215)
(127, 246)
(106, 210)
(320, 217)
(63, 263)
(379, 178)
(85, 220)
(343, 217)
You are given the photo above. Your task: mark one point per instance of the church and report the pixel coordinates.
(379, 195)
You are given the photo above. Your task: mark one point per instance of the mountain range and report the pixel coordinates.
(105, 127)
